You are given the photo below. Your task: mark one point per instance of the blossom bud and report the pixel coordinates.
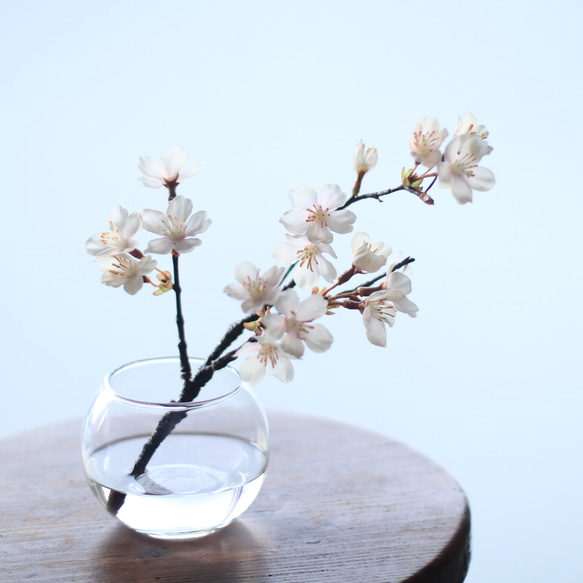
(469, 125)
(424, 197)
(364, 160)
(165, 284)
(254, 327)
(410, 180)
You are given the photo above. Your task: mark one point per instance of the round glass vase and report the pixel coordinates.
(205, 464)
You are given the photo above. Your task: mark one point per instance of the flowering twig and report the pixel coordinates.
(376, 195)
(235, 330)
(182, 346)
(374, 280)
(281, 324)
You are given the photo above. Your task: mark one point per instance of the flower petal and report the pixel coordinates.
(318, 338)
(332, 197)
(398, 281)
(186, 245)
(317, 233)
(287, 302)
(153, 221)
(375, 330)
(325, 248)
(274, 325)
(359, 240)
(283, 369)
(161, 246)
(245, 271)
(252, 371)
(180, 207)
(285, 254)
(406, 306)
(327, 270)
(235, 291)
(152, 168)
(303, 198)
(482, 180)
(95, 246)
(314, 306)
(293, 345)
(273, 276)
(151, 182)
(461, 189)
(197, 224)
(305, 277)
(175, 160)
(132, 225)
(295, 221)
(191, 171)
(134, 285)
(118, 215)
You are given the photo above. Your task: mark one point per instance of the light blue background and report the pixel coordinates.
(272, 95)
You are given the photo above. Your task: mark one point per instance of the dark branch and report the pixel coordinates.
(234, 331)
(376, 195)
(371, 282)
(182, 347)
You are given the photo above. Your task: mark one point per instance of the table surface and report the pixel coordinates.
(340, 504)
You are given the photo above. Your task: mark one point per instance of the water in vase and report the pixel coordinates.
(215, 480)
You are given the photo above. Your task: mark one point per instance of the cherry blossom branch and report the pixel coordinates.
(289, 270)
(309, 227)
(432, 183)
(234, 331)
(215, 361)
(182, 346)
(171, 186)
(376, 195)
(358, 183)
(237, 328)
(403, 263)
(419, 193)
(372, 281)
(193, 386)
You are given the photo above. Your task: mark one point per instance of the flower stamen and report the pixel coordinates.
(319, 215)
(268, 352)
(308, 255)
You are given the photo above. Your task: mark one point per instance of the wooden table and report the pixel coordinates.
(339, 505)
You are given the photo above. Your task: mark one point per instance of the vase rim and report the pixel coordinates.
(237, 385)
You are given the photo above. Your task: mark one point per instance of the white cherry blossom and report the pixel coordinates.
(469, 125)
(368, 257)
(170, 170)
(265, 354)
(123, 269)
(311, 262)
(459, 169)
(255, 291)
(364, 159)
(315, 216)
(122, 227)
(398, 287)
(294, 323)
(177, 229)
(378, 311)
(425, 142)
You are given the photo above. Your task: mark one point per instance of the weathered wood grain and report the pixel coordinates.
(339, 504)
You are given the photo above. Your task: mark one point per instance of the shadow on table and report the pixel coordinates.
(232, 554)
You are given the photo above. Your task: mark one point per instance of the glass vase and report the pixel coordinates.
(168, 469)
